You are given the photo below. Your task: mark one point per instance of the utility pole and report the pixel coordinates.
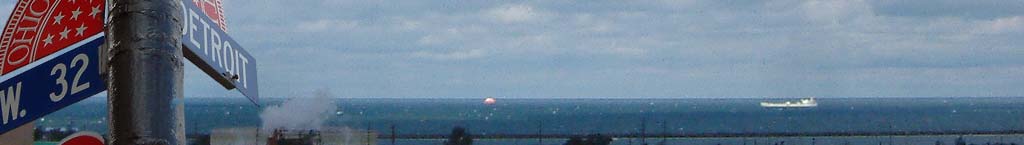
(145, 71)
(643, 130)
(664, 133)
(393, 134)
(540, 132)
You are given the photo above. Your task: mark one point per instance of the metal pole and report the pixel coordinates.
(145, 71)
(540, 131)
(393, 134)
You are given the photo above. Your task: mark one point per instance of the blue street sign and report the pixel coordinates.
(56, 81)
(213, 51)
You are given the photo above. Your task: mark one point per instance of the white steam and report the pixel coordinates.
(299, 112)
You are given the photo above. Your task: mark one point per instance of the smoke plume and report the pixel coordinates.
(300, 112)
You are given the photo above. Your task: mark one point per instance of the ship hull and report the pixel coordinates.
(777, 105)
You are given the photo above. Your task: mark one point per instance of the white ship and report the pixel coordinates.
(804, 103)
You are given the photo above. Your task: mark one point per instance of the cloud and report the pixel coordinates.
(514, 13)
(641, 48)
(974, 9)
(7, 6)
(456, 55)
(326, 25)
(835, 11)
(626, 51)
(1013, 24)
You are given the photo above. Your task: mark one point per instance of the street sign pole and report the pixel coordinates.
(145, 71)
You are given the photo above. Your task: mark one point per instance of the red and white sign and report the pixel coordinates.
(38, 28)
(83, 138)
(215, 10)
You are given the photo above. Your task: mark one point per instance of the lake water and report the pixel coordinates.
(619, 116)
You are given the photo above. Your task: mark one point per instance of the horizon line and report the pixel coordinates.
(686, 97)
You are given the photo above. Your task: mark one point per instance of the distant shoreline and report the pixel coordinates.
(99, 98)
(719, 135)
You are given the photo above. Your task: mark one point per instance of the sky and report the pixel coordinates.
(627, 49)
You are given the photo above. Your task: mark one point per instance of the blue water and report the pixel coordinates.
(608, 116)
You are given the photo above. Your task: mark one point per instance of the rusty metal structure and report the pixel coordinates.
(295, 137)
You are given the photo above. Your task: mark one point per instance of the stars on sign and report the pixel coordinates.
(79, 30)
(49, 29)
(48, 40)
(71, 24)
(64, 34)
(56, 19)
(95, 10)
(75, 13)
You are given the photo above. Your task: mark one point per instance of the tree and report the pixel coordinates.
(592, 139)
(598, 139)
(960, 141)
(459, 136)
(574, 141)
